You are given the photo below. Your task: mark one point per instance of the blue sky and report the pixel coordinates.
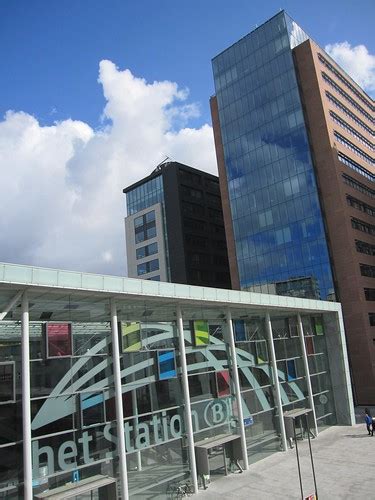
(98, 96)
(50, 50)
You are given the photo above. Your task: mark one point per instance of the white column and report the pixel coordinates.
(276, 381)
(118, 399)
(307, 370)
(135, 410)
(186, 393)
(26, 412)
(237, 388)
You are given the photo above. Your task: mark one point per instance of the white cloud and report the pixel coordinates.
(62, 184)
(356, 61)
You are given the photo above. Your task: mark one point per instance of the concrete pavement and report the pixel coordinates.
(344, 459)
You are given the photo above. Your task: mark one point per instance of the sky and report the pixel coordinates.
(95, 94)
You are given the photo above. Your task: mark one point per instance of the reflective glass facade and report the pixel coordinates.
(74, 420)
(145, 195)
(277, 220)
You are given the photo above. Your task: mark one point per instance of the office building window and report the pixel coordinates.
(148, 267)
(154, 278)
(370, 293)
(346, 82)
(371, 317)
(363, 247)
(360, 225)
(352, 131)
(358, 186)
(367, 270)
(146, 251)
(353, 102)
(348, 144)
(145, 226)
(192, 193)
(147, 194)
(347, 112)
(355, 166)
(360, 205)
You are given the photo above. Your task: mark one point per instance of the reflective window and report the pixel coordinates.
(147, 194)
(7, 382)
(278, 227)
(145, 227)
(147, 250)
(148, 267)
(58, 339)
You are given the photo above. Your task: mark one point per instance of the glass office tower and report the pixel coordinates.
(277, 231)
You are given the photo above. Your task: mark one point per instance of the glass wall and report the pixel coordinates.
(147, 194)
(73, 410)
(11, 457)
(316, 349)
(155, 434)
(73, 421)
(257, 388)
(279, 234)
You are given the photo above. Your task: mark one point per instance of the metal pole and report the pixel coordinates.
(186, 393)
(312, 461)
(135, 411)
(307, 370)
(11, 304)
(276, 382)
(118, 399)
(297, 455)
(26, 411)
(237, 388)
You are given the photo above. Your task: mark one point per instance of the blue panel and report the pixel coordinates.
(167, 364)
(89, 400)
(291, 369)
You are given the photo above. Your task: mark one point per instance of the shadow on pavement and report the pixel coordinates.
(357, 436)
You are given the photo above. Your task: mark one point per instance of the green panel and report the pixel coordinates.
(319, 326)
(201, 334)
(131, 336)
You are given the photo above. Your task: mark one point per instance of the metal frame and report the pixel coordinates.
(279, 405)
(46, 338)
(307, 371)
(26, 409)
(185, 388)
(172, 296)
(237, 387)
(13, 400)
(118, 402)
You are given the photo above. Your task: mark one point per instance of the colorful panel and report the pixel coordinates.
(223, 383)
(291, 369)
(261, 351)
(167, 364)
(239, 330)
(131, 336)
(309, 342)
(319, 326)
(201, 333)
(58, 340)
(92, 408)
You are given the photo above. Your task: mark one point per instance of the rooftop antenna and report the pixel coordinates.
(159, 165)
